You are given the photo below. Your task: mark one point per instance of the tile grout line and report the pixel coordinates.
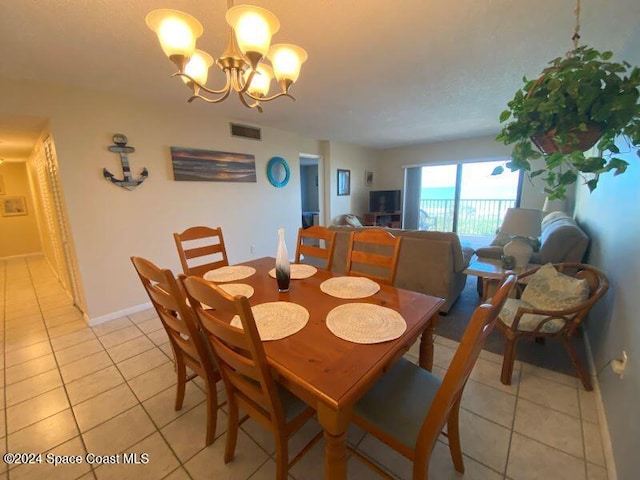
(64, 386)
(513, 423)
(140, 403)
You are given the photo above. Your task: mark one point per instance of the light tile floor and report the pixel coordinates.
(72, 390)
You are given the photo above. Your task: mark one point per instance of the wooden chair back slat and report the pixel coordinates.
(380, 265)
(187, 253)
(318, 234)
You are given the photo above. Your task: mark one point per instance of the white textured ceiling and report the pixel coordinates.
(380, 73)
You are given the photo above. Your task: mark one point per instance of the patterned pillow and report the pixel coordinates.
(352, 220)
(548, 289)
(501, 239)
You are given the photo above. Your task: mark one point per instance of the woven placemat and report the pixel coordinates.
(238, 289)
(365, 323)
(229, 273)
(298, 271)
(350, 287)
(276, 320)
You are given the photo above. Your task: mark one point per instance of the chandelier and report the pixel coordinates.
(243, 61)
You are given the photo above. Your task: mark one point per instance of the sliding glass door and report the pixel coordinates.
(463, 198)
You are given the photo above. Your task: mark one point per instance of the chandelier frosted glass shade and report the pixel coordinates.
(198, 67)
(177, 31)
(243, 60)
(254, 27)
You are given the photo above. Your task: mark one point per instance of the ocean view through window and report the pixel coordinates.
(465, 198)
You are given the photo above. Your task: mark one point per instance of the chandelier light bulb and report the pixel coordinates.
(198, 67)
(176, 31)
(254, 27)
(287, 60)
(261, 81)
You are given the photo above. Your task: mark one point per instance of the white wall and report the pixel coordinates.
(109, 224)
(357, 160)
(390, 173)
(609, 215)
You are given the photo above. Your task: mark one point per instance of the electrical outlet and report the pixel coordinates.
(252, 248)
(619, 364)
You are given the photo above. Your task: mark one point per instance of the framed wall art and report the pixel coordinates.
(13, 206)
(193, 165)
(368, 178)
(344, 182)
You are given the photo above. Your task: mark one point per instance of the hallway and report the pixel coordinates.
(71, 389)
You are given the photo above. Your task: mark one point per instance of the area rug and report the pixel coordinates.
(551, 355)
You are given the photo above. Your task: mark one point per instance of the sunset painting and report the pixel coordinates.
(192, 165)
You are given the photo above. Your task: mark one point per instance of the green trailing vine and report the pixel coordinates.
(582, 92)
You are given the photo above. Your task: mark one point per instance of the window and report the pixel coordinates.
(463, 198)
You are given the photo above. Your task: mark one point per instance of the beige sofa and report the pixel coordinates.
(429, 262)
(562, 240)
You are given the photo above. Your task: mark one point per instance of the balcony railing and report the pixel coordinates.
(476, 217)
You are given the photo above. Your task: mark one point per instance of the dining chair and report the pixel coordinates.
(315, 236)
(550, 306)
(374, 253)
(201, 249)
(409, 406)
(248, 379)
(189, 346)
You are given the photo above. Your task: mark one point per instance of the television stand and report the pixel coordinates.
(384, 219)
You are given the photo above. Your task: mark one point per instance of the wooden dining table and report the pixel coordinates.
(327, 372)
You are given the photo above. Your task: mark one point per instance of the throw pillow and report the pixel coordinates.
(502, 239)
(352, 220)
(548, 289)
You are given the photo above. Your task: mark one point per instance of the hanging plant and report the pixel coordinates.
(581, 100)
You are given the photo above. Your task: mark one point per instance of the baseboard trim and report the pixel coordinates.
(24, 255)
(119, 314)
(607, 447)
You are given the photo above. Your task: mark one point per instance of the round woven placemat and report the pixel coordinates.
(276, 320)
(229, 273)
(298, 271)
(350, 287)
(238, 289)
(365, 323)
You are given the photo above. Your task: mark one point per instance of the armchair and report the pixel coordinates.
(555, 300)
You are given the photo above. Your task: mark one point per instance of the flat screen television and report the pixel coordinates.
(385, 201)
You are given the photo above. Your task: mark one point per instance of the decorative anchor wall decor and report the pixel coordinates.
(121, 147)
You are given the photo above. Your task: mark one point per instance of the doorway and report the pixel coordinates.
(43, 188)
(310, 190)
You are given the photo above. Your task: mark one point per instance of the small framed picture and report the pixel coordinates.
(368, 178)
(13, 206)
(344, 182)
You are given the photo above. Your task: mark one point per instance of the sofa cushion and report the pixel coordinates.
(548, 289)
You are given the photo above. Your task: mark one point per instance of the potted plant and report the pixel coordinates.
(581, 100)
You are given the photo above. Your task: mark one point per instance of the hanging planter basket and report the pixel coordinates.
(578, 140)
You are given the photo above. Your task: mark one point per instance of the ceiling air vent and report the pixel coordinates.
(246, 131)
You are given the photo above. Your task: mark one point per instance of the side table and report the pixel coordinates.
(490, 271)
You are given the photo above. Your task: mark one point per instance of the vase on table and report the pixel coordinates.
(283, 269)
